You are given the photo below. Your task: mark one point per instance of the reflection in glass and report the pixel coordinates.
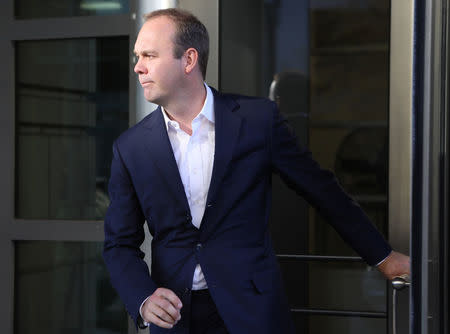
(334, 285)
(71, 103)
(30, 9)
(63, 287)
(325, 63)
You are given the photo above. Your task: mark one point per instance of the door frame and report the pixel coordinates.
(401, 123)
(430, 231)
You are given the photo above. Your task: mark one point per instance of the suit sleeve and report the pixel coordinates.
(124, 234)
(320, 188)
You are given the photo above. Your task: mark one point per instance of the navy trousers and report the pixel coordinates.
(205, 319)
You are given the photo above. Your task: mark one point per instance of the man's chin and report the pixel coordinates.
(151, 98)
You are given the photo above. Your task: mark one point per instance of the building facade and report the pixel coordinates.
(364, 83)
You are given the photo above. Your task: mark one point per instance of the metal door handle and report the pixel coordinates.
(398, 283)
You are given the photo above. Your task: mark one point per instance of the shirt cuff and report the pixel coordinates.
(375, 265)
(145, 323)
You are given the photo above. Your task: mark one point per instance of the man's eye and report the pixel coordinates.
(136, 57)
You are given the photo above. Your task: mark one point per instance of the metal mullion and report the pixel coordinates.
(436, 24)
(72, 27)
(339, 313)
(445, 175)
(62, 230)
(442, 162)
(7, 286)
(322, 258)
(7, 170)
(7, 133)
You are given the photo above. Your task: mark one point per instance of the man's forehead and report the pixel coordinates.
(159, 23)
(155, 30)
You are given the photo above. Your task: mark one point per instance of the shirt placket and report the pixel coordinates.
(196, 175)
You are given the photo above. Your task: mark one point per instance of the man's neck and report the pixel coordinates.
(188, 106)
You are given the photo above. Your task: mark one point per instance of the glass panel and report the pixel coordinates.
(63, 287)
(334, 285)
(324, 324)
(30, 9)
(325, 62)
(71, 103)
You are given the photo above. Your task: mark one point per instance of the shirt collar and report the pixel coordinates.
(207, 109)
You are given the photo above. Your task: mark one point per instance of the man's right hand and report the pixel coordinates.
(162, 308)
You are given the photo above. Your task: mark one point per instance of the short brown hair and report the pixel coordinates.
(190, 33)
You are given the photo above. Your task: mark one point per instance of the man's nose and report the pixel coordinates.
(139, 68)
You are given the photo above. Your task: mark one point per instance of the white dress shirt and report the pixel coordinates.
(194, 155)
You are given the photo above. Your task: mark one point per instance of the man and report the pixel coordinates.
(198, 171)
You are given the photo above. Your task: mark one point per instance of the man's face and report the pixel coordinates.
(160, 74)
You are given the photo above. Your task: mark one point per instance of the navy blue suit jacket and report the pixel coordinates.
(233, 245)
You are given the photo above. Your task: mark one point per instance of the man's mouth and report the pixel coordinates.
(145, 84)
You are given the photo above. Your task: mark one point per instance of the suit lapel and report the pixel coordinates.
(161, 153)
(227, 125)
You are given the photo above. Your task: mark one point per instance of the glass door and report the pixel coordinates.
(328, 66)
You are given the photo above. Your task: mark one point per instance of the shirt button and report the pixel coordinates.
(199, 246)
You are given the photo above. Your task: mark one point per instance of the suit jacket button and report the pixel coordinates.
(199, 246)
(188, 218)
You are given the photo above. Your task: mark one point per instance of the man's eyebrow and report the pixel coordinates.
(143, 52)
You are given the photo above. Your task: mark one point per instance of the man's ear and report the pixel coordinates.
(190, 60)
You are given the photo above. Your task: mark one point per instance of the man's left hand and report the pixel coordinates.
(396, 264)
